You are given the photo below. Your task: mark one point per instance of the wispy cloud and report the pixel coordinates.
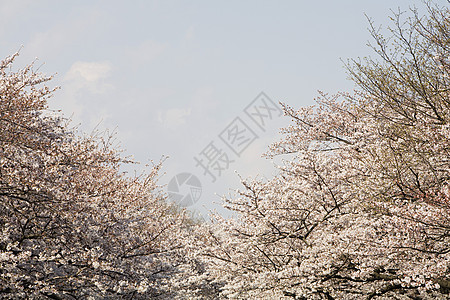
(83, 82)
(89, 71)
(173, 118)
(89, 75)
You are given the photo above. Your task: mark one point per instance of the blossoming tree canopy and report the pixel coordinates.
(360, 208)
(73, 225)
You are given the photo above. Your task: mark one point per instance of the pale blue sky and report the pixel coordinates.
(171, 75)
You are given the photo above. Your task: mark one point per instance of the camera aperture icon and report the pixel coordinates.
(184, 189)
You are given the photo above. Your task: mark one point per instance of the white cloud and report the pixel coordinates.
(89, 71)
(173, 118)
(89, 75)
(85, 83)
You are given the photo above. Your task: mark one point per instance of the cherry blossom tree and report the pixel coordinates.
(360, 208)
(73, 226)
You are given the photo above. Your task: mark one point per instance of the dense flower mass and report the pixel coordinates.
(360, 208)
